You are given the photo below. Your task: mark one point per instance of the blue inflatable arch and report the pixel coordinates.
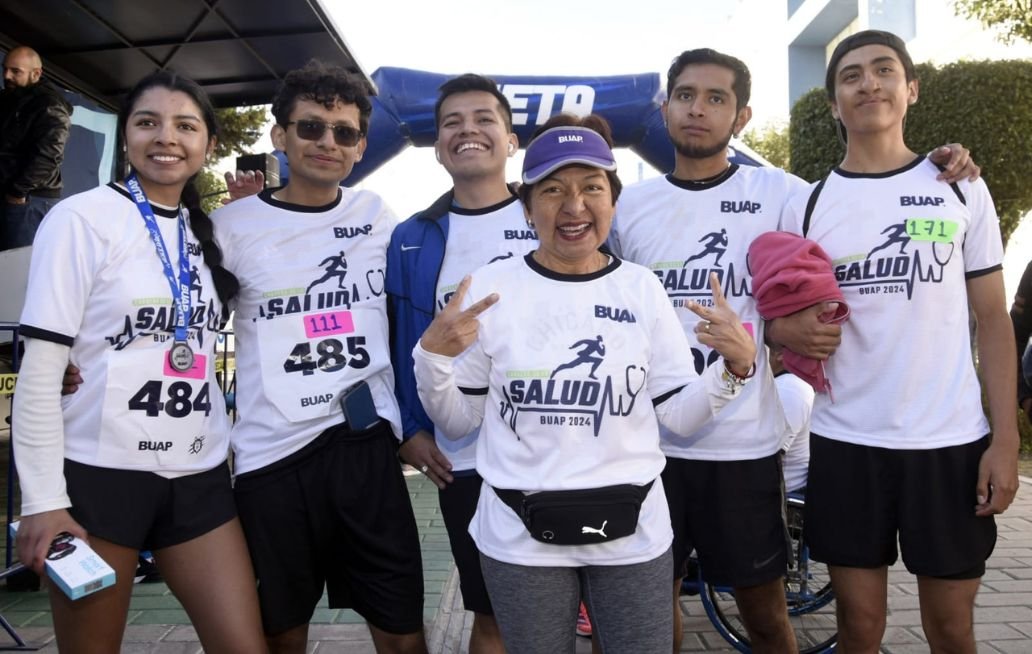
(403, 112)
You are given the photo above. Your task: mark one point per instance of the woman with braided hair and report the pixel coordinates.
(126, 284)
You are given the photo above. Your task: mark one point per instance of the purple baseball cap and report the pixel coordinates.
(562, 146)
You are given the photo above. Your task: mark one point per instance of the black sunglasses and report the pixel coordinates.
(313, 130)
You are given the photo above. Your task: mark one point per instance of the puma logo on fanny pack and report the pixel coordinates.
(600, 531)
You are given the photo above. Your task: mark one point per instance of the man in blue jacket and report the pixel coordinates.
(478, 221)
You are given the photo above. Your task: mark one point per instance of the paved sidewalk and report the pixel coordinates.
(158, 625)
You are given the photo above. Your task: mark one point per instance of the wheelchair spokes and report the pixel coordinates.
(808, 592)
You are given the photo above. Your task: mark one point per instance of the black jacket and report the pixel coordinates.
(1021, 318)
(34, 125)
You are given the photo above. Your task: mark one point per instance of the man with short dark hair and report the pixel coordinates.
(34, 126)
(478, 221)
(903, 462)
(723, 483)
(319, 489)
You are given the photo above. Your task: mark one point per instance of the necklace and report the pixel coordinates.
(712, 178)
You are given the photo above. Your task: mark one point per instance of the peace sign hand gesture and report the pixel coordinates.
(453, 330)
(721, 330)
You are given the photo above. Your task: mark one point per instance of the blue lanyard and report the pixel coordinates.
(180, 291)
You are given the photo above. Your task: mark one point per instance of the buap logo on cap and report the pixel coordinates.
(563, 146)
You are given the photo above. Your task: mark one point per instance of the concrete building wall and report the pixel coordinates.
(931, 29)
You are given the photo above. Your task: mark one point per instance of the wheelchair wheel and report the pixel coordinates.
(811, 602)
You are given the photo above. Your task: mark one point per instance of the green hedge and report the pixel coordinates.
(985, 105)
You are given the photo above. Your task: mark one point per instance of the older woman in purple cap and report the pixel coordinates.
(565, 364)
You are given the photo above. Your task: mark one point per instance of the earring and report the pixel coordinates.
(437, 153)
(512, 148)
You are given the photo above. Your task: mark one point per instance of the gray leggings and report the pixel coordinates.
(536, 607)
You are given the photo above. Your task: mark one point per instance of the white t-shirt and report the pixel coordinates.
(477, 238)
(310, 319)
(796, 398)
(96, 284)
(566, 371)
(902, 246)
(682, 231)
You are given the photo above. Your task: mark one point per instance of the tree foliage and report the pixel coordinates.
(212, 188)
(771, 141)
(1013, 18)
(984, 105)
(239, 129)
(813, 145)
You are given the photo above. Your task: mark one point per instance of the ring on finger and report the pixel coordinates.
(707, 326)
(423, 469)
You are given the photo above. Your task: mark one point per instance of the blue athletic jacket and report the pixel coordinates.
(414, 259)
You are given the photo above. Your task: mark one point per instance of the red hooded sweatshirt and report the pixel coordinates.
(789, 274)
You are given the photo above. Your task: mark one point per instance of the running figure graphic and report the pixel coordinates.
(714, 243)
(586, 355)
(897, 234)
(335, 267)
(195, 283)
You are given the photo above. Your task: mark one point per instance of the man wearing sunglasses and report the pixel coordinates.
(321, 495)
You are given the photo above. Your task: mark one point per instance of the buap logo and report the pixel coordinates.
(921, 201)
(520, 235)
(616, 314)
(351, 232)
(740, 206)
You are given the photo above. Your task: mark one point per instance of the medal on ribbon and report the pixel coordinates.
(181, 356)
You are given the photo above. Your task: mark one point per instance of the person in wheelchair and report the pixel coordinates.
(796, 398)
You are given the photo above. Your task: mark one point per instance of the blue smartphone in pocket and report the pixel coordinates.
(358, 407)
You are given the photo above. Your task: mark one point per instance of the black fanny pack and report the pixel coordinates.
(578, 517)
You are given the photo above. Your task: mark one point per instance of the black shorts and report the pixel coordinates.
(860, 499)
(732, 514)
(458, 504)
(145, 511)
(336, 514)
